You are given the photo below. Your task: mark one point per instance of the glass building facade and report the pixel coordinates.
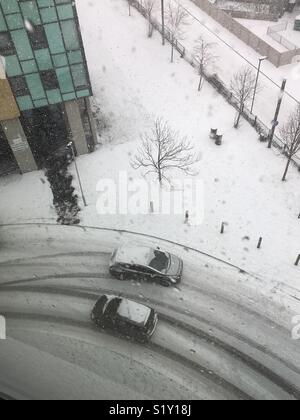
(44, 56)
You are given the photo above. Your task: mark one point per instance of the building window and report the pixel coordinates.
(19, 86)
(6, 44)
(49, 79)
(38, 38)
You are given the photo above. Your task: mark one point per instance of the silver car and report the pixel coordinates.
(145, 263)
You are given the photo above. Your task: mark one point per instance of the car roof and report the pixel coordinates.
(134, 255)
(134, 312)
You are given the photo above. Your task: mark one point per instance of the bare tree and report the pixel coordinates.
(164, 149)
(243, 86)
(177, 18)
(290, 134)
(204, 56)
(149, 6)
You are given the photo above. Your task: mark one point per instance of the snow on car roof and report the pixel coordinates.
(134, 255)
(133, 311)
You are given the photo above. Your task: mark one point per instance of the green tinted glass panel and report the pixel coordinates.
(79, 76)
(65, 12)
(83, 93)
(35, 86)
(65, 80)
(9, 6)
(60, 60)
(43, 59)
(15, 21)
(45, 3)
(70, 35)
(29, 66)
(54, 96)
(30, 11)
(40, 103)
(75, 57)
(24, 102)
(3, 26)
(48, 15)
(54, 38)
(22, 44)
(69, 96)
(13, 67)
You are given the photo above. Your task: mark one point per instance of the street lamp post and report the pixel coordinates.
(163, 21)
(275, 120)
(71, 146)
(260, 60)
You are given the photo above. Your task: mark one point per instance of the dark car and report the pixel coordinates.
(145, 263)
(125, 317)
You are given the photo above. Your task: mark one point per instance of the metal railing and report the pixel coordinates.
(273, 32)
(217, 83)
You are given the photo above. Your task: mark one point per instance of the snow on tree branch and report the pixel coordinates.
(177, 19)
(203, 53)
(164, 149)
(243, 87)
(290, 133)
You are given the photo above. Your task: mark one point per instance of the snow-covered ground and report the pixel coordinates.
(235, 327)
(260, 28)
(234, 54)
(26, 197)
(134, 82)
(215, 337)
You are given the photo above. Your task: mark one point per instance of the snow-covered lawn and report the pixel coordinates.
(134, 82)
(234, 54)
(25, 197)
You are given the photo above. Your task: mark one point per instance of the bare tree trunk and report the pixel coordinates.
(159, 175)
(150, 28)
(287, 168)
(129, 9)
(237, 123)
(200, 81)
(240, 112)
(172, 50)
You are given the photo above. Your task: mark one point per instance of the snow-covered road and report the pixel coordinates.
(212, 341)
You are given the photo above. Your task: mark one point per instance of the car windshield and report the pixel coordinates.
(150, 153)
(159, 260)
(112, 307)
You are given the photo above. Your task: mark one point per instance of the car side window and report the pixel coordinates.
(144, 270)
(136, 268)
(121, 323)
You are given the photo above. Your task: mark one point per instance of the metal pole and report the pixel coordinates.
(78, 176)
(260, 60)
(163, 21)
(275, 121)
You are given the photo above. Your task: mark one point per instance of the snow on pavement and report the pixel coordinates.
(134, 83)
(241, 178)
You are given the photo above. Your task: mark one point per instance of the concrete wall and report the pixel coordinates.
(16, 138)
(8, 106)
(239, 14)
(262, 47)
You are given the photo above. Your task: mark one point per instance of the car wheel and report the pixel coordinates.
(165, 282)
(121, 276)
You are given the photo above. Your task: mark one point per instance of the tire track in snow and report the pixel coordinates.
(231, 351)
(186, 362)
(176, 309)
